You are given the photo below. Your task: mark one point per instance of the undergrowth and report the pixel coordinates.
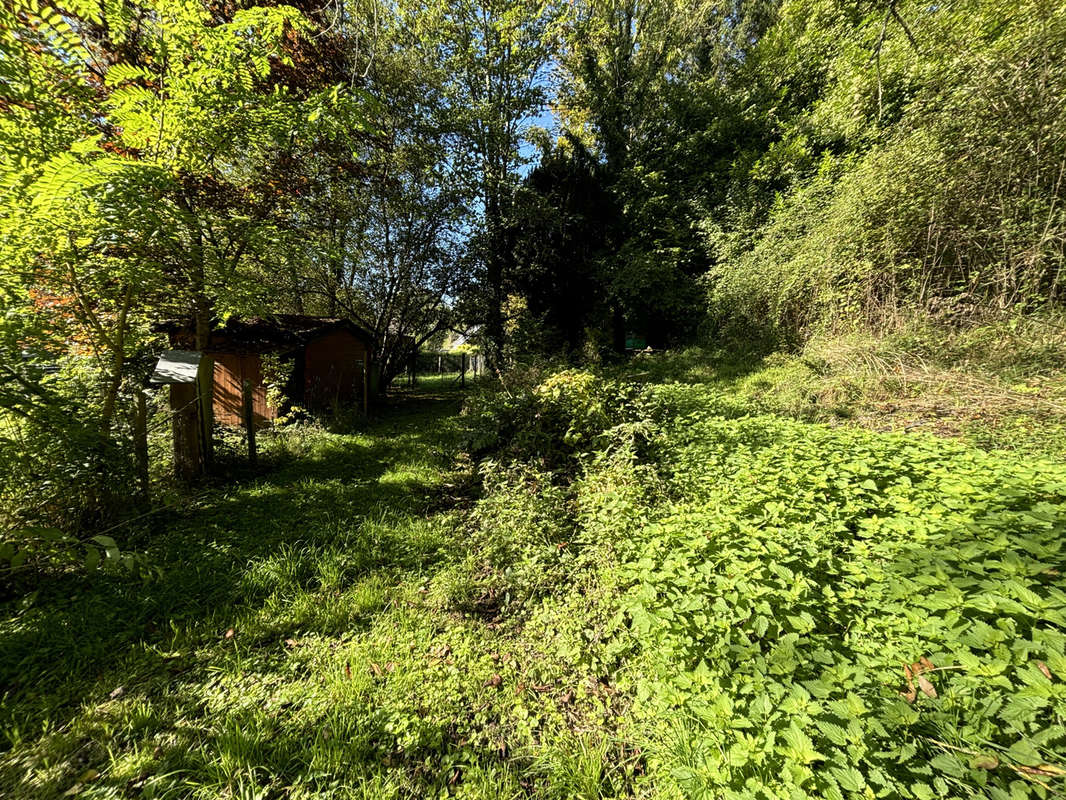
(672, 579)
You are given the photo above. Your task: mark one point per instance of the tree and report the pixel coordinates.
(150, 149)
(497, 56)
(379, 238)
(558, 235)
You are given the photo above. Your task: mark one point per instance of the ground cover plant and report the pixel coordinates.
(677, 598)
(834, 610)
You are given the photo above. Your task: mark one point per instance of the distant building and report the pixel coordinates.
(466, 343)
(326, 361)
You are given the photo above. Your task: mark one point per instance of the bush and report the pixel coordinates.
(552, 420)
(937, 186)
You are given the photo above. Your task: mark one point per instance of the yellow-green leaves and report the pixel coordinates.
(852, 649)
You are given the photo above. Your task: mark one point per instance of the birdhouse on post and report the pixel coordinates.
(188, 373)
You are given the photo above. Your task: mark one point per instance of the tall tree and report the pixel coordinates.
(498, 53)
(379, 237)
(163, 140)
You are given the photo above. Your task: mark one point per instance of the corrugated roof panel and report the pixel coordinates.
(176, 366)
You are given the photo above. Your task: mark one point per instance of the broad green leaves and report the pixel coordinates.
(800, 567)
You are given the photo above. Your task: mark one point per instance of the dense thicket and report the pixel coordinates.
(927, 170)
(821, 162)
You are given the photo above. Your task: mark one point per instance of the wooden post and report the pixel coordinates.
(249, 419)
(205, 388)
(188, 453)
(366, 387)
(140, 444)
(462, 371)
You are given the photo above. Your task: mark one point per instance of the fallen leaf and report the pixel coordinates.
(390, 666)
(926, 663)
(1040, 665)
(567, 698)
(291, 643)
(348, 670)
(375, 669)
(911, 694)
(927, 688)
(117, 692)
(229, 634)
(494, 681)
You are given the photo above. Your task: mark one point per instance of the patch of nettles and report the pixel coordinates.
(799, 610)
(832, 612)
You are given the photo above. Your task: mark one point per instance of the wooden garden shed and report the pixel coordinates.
(325, 362)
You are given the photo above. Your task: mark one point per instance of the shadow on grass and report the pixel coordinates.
(325, 519)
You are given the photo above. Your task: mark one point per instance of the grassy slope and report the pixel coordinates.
(390, 643)
(997, 385)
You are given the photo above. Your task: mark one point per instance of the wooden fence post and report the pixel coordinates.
(205, 390)
(140, 445)
(366, 387)
(249, 420)
(188, 432)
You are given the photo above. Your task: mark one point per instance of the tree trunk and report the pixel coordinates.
(118, 361)
(494, 267)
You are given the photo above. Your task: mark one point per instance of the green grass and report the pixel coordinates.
(657, 590)
(1000, 385)
(316, 567)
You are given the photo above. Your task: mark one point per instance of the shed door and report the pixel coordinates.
(333, 369)
(231, 370)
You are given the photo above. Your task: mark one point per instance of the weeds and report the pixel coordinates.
(639, 584)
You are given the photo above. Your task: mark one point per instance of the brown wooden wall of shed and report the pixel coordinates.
(333, 370)
(231, 370)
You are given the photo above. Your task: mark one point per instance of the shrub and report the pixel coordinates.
(551, 419)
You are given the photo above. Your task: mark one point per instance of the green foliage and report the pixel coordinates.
(923, 165)
(704, 603)
(147, 153)
(551, 419)
(800, 566)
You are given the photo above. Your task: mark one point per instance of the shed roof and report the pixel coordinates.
(278, 332)
(283, 330)
(176, 366)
